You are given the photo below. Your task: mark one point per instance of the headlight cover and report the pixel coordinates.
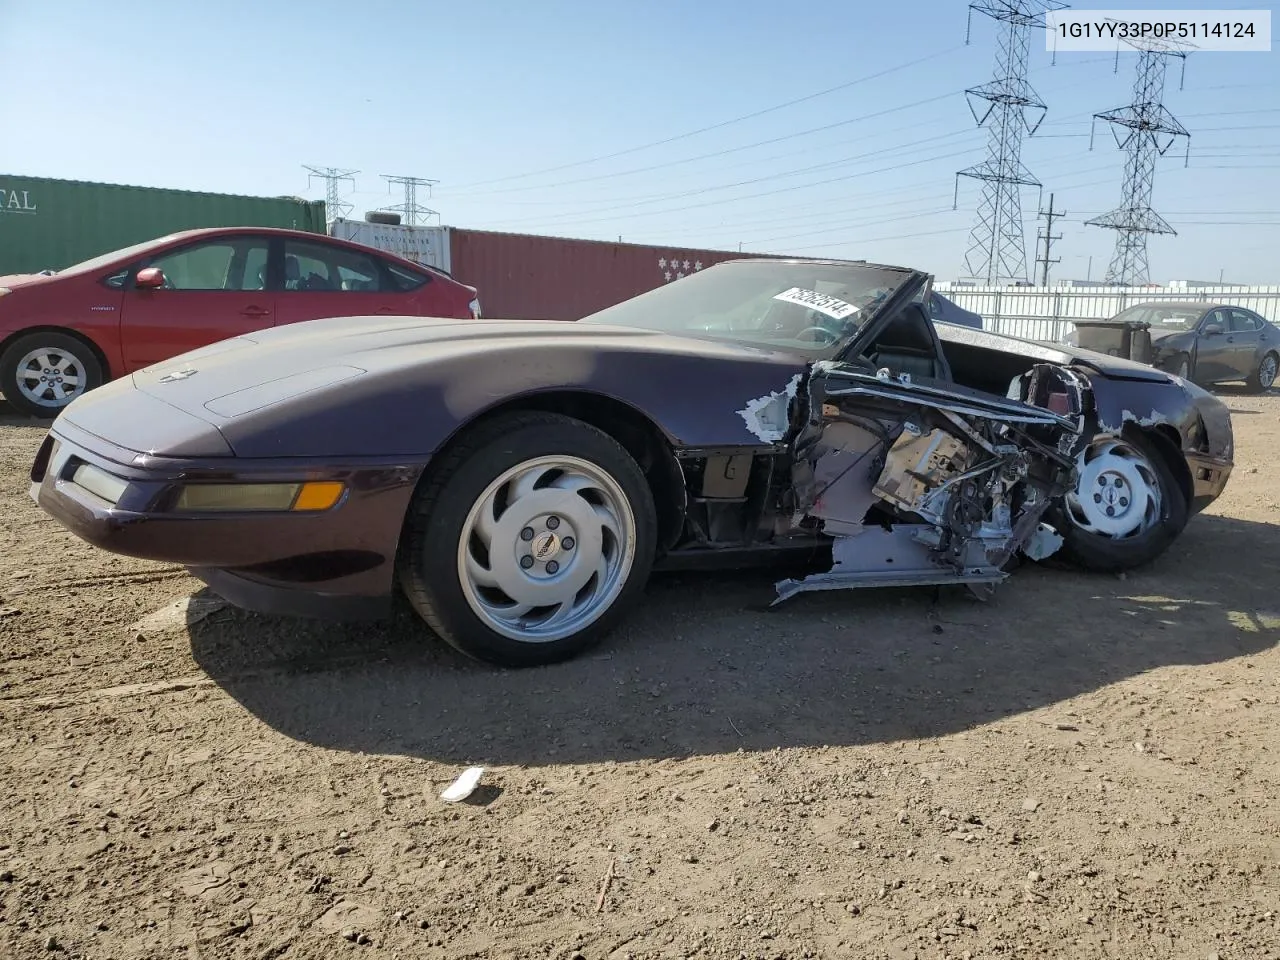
(256, 497)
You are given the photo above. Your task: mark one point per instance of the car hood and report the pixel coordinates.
(364, 385)
(13, 280)
(1117, 368)
(236, 376)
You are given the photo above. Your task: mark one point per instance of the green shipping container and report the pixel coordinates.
(51, 224)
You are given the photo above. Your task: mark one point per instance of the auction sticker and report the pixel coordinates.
(833, 307)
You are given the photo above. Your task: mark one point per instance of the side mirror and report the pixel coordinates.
(149, 278)
(1213, 329)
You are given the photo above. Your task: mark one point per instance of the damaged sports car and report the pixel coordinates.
(517, 481)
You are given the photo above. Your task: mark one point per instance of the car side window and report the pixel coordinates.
(226, 264)
(1243, 322)
(404, 280)
(312, 266)
(1219, 317)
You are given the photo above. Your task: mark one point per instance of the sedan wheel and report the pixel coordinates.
(1265, 376)
(529, 540)
(41, 373)
(1126, 508)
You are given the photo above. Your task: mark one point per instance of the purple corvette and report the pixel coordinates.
(517, 481)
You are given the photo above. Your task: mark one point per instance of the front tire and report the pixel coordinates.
(40, 373)
(1126, 509)
(1262, 379)
(530, 541)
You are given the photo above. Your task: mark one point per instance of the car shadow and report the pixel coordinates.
(698, 669)
(9, 417)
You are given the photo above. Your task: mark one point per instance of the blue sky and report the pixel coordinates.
(484, 95)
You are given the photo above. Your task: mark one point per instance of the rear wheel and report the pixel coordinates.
(530, 540)
(40, 373)
(1126, 509)
(1262, 379)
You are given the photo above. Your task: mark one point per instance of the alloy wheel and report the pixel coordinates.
(51, 378)
(1267, 371)
(546, 548)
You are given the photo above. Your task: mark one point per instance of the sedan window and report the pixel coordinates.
(313, 266)
(225, 264)
(1243, 322)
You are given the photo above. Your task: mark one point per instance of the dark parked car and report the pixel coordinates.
(518, 480)
(948, 311)
(1209, 343)
(64, 333)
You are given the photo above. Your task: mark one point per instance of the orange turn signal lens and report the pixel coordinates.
(318, 496)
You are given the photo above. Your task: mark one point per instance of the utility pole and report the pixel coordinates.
(1048, 237)
(413, 213)
(334, 205)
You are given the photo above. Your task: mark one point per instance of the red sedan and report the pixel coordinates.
(64, 333)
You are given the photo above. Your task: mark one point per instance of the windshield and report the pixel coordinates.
(805, 307)
(1164, 316)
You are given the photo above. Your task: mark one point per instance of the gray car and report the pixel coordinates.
(1207, 343)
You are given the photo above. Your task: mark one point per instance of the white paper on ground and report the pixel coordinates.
(464, 786)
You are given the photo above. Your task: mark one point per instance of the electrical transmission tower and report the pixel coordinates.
(1145, 130)
(412, 213)
(996, 248)
(334, 205)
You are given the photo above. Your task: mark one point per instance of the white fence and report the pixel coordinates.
(1048, 313)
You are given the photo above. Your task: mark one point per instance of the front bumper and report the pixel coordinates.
(331, 563)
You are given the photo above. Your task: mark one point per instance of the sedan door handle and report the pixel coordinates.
(255, 312)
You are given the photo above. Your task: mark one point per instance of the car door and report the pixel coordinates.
(213, 289)
(1214, 351)
(1246, 329)
(327, 280)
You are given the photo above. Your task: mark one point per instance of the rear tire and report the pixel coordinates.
(1149, 509)
(529, 541)
(37, 367)
(1262, 379)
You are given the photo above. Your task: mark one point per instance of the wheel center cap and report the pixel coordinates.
(545, 546)
(1110, 496)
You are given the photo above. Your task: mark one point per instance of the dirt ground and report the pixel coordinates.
(1084, 767)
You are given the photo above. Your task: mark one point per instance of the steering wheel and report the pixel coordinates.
(828, 336)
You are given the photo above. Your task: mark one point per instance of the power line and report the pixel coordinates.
(722, 153)
(723, 123)
(767, 193)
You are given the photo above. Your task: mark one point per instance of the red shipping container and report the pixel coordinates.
(523, 276)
